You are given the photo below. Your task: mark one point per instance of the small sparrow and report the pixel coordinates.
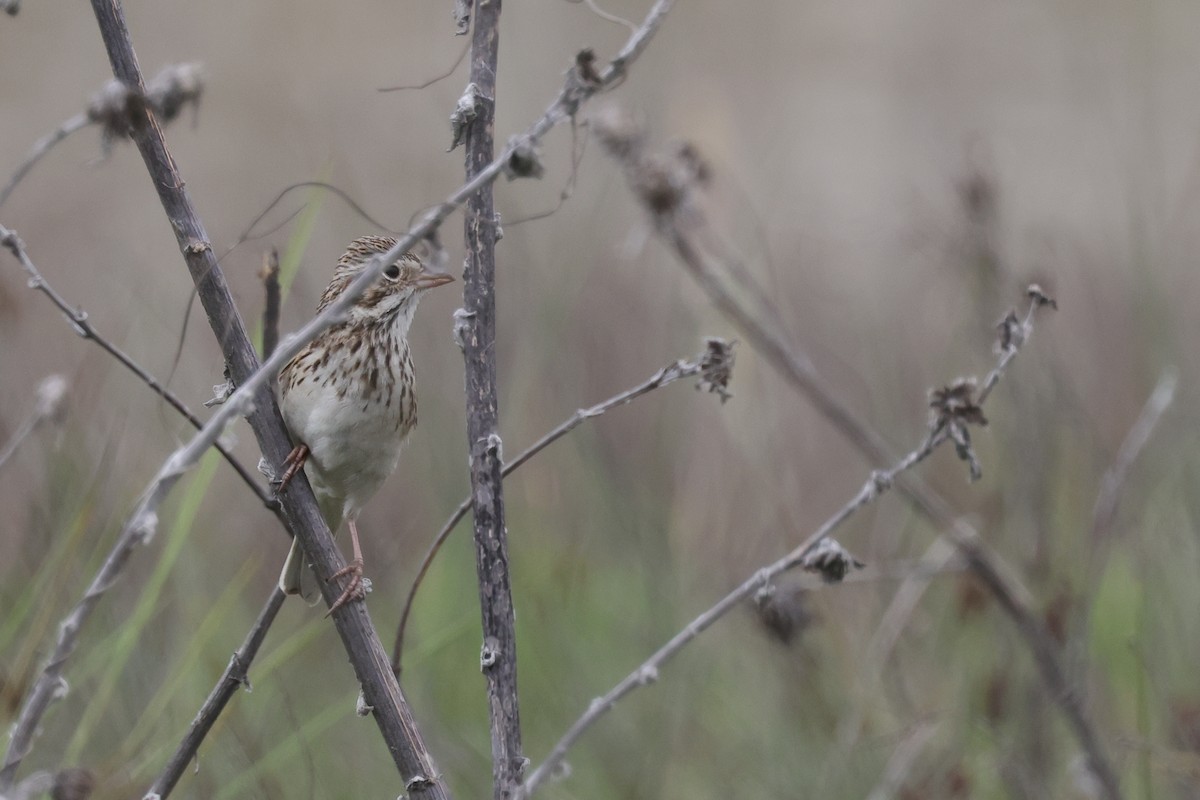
(349, 398)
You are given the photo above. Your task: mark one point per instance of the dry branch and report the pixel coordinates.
(49, 406)
(498, 655)
(82, 325)
(715, 363)
(233, 678)
(167, 93)
(254, 398)
(876, 486)
(667, 185)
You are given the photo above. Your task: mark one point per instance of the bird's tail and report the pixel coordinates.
(297, 576)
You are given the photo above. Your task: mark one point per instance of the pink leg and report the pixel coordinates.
(354, 588)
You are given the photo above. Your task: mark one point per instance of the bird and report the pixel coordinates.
(349, 397)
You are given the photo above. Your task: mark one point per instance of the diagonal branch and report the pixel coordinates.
(82, 324)
(254, 399)
(175, 87)
(667, 375)
(666, 186)
(233, 678)
(878, 484)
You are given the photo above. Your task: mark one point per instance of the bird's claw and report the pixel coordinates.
(355, 588)
(292, 464)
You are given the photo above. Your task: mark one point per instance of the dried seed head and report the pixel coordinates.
(831, 561)
(716, 367)
(525, 161)
(784, 613)
(52, 399)
(1012, 333)
(73, 783)
(956, 402)
(1038, 296)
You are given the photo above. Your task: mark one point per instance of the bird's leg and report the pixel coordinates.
(293, 463)
(354, 588)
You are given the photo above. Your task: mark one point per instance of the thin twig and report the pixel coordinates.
(82, 325)
(878, 484)
(1105, 510)
(426, 84)
(51, 396)
(254, 396)
(666, 186)
(1108, 497)
(270, 279)
(380, 690)
(666, 375)
(40, 148)
(233, 678)
(498, 656)
(175, 87)
(900, 764)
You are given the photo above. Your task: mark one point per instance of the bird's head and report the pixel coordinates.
(392, 299)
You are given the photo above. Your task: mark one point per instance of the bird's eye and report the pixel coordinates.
(392, 272)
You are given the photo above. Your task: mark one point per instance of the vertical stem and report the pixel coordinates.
(498, 659)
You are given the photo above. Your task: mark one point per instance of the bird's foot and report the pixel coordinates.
(292, 464)
(356, 588)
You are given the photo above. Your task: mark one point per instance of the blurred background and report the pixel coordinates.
(894, 173)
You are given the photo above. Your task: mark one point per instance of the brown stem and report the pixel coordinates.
(380, 690)
(498, 658)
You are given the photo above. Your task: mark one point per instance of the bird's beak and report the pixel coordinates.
(431, 280)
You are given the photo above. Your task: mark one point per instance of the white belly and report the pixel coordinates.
(353, 445)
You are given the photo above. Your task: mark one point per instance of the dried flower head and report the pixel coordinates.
(783, 612)
(831, 561)
(74, 783)
(1038, 296)
(716, 367)
(956, 403)
(1012, 333)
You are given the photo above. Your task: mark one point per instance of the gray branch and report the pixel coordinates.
(254, 397)
(498, 656)
(878, 484)
(667, 185)
(667, 375)
(81, 323)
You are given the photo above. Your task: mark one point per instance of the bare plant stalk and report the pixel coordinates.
(1105, 510)
(233, 678)
(236, 672)
(498, 656)
(878, 484)
(254, 398)
(83, 326)
(270, 279)
(901, 762)
(666, 375)
(380, 690)
(666, 186)
(49, 407)
(40, 148)
(174, 88)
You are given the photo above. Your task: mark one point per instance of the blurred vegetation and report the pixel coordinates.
(895, 173)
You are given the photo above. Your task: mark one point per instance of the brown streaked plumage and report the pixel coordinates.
(349, 397)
